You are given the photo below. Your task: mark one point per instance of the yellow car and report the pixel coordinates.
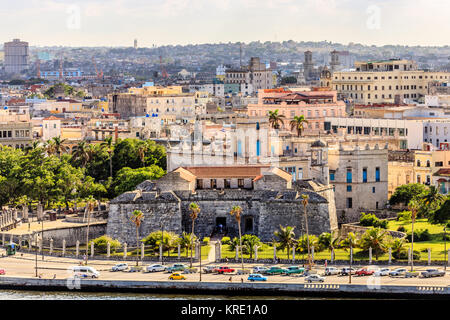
(177, 276)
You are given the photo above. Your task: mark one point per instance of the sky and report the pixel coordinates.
(172, 22)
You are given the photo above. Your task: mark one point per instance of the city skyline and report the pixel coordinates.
(181, 22)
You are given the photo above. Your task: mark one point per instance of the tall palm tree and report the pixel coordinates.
(286, 238)
(413, 206)
(143, 148)
(432, 200)
(297, 124)
(350, 242)
(90, 203)
(82, 152)
(236, 211)
(275, 119)
(108, 144)
(136, 217)
(374, 238)
(59, 147)
(195, 210)
(305, 199)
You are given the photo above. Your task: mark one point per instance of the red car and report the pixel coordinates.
(2, 271)
(222, 270)
(364, 272)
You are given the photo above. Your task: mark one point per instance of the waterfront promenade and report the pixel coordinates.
(54, 271)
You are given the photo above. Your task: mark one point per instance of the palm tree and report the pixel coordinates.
(374, 238)
(90, 203)
(185, 241)
(83, 153)
(398, 246)
(297, 123)
(305, 199)
(109, 146)
(58, 146)
(432, 200)
(275, 119)
(136, 217)
(143, 148)
(350, 242)
(286, 238)
(413, 206)
(236, 211)
(195, 210)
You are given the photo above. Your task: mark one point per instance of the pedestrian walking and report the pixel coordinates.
(231, 279)
(242, 280)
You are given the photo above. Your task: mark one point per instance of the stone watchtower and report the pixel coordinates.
(320, 170)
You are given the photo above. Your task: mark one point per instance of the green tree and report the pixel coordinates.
(286, 238)
(375, 238)
(441, 215)
(136, 217)
(431, 201)
(298, 124)
(404, 193)
(236, 211)
(275, 119)
(413, 206)
(108, 145)
(127, 179)
(185, 241)
(195, 210)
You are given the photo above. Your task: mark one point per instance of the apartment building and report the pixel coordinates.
(15, 130)
(314, 105)
(384, 81)
(256, 74)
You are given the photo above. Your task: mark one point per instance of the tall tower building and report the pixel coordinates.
(135, 43)
(334, 61)
(16, 56)
(308, 65)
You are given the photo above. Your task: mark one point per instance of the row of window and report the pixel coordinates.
(395, 77)
(436, 130)
(17, 133)
(364, 175)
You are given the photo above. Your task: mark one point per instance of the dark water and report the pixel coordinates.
(63, 295)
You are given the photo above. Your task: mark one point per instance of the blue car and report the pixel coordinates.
(256, 277)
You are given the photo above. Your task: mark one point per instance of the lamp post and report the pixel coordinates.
(42, 235)
(445, 249)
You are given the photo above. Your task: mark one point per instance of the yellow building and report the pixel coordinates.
(386, 81)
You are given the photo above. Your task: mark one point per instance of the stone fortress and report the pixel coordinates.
(268, 196)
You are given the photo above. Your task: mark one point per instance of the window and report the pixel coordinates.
(349, 175)
(365, 175)
(240, 183)
(349, 203)
(439, 164)
(349, 188)
(373, 189)
(377, 174)
(331, 176)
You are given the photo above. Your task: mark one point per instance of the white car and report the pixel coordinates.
(397, 272)
(155, 268)
(382, 272)
(85, 272)
(259, 269)
(331, 271)
(120, 267)
(314, 278)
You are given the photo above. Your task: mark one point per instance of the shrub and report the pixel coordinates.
(206, 240)
(404, 216)
(419, 235)
(226, 240)
(403, 255)
(153, 240)
(401, 229)
(101, 244)
(370, 220)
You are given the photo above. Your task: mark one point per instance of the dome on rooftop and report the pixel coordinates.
(318, 144)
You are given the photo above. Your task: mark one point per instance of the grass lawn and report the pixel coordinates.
(437, 237)
(436, 244)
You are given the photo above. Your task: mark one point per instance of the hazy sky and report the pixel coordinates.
(160, 22)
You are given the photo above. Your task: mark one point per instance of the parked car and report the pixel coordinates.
(85, 272)
(331, 271)
(275, 270)
(428, 273)
(209, 269)
(364, 272)
(2, 272)
(177, 267)
(177, 276)
(397, 272)
(314, 278)
(223, 269)
(382, 272)
(155, 268)
(260, 269)
(411, 274)
(120, 267)
(256, 277)
(294, 270)
(346, 271)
